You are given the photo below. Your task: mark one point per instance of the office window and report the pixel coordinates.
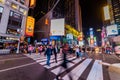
(14, 6)
(1, 11)
(14, 22)
(22, 1)
(23, 10)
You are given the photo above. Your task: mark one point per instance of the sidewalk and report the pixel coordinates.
(114, 71)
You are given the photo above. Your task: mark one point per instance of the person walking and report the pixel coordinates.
(30, 49)
(48, 53)
(65, 61)
(77, 52)
(84, 52)
(40, 49)
(55, 50)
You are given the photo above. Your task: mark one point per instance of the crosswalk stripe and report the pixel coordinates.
(38, 56)
(43, 60)
(55, 71)
(96, 72)
(51, 61)
(52, 57)
(84, 75)
(59, 63)
(78, 70)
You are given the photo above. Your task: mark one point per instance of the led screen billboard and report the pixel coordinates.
(112, 30)
(57, 27)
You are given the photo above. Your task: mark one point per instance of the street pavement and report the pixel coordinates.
(33, 67)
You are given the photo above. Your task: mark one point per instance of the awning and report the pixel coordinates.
(44, 39)
(8, 35)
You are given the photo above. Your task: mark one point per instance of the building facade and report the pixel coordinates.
(13, 14)
(115, 12)
(69, 10)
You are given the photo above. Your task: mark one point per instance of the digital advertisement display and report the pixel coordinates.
(57, 27)
(112, 30)
(30, 26)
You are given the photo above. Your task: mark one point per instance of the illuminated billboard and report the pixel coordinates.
(112, 30)
(69, 36)
(106, 13)
(2, 1)
(32, 3)
(57, 27)
(30, 26)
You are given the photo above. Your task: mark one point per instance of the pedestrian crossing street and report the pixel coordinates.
(81, 69)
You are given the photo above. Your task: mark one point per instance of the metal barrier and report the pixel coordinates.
(4, 51)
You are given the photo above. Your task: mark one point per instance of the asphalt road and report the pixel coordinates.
(21, 67)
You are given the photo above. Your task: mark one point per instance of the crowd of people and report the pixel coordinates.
(25, 48)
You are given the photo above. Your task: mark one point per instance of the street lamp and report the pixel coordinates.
(18, 46)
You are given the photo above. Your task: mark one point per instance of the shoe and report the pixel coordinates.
(58, 78)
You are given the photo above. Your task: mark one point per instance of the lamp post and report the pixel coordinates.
(18, 46)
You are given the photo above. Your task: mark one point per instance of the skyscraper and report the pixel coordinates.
(115, 12)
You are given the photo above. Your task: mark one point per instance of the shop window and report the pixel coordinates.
(1, 11)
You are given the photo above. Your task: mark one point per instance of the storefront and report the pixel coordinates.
(7, 40)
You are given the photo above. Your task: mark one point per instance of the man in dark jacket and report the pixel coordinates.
(55, 50)
(48, 54)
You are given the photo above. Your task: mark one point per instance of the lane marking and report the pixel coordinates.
(13, 58)
(12, 68)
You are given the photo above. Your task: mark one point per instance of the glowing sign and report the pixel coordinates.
(106, 13)
(57, 27)
(30, 26)
(32, 3)
(112, 30)
(2, 1)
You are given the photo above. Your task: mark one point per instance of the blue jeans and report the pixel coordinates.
(80, 54)
(108, 51)
(48, 60)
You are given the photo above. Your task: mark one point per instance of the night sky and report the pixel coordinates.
(92, 13)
